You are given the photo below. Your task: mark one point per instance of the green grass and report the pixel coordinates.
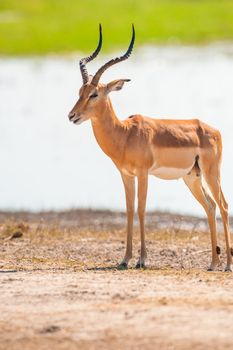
(61, 26)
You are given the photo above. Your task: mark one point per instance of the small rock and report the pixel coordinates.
(50, 329)
(16, 234)
(118, 296)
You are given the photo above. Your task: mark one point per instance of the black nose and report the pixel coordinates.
(71, 115)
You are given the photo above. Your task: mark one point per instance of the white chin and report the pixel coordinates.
(79, 121)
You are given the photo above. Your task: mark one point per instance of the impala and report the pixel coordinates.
(140, 146)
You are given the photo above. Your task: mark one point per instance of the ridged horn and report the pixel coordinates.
(113, 61)
(85, 60)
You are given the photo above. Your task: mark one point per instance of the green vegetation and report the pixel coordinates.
(59, 26)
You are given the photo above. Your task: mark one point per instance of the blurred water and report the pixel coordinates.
(48, 163)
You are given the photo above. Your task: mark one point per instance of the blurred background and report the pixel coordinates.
(181, 67)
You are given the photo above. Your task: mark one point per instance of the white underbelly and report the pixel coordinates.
(167, 173)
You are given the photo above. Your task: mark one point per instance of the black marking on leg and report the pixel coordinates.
(218, 250)
(232, 251)
(196, 167)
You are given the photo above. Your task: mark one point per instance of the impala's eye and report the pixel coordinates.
(93, 95)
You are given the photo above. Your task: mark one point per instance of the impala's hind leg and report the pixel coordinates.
(194, 183)
(211, 172)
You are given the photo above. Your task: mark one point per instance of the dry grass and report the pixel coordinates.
(60, 287)
(57, 245)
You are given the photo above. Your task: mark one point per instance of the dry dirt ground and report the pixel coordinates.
(60, 288)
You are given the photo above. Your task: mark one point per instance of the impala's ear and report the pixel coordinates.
(116, 85)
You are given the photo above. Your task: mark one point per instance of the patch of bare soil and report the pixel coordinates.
(60, 287)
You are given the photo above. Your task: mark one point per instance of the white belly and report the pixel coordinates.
(167, 173)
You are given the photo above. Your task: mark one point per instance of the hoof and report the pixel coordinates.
(140, 266)
(228, 269)
(122, 266)
(210, 269)
(214, 264)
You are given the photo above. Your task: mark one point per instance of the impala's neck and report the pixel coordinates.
(108, 129)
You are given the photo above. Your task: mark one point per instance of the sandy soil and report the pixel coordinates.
(60, 288)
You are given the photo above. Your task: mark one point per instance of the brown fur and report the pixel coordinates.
(141, 145)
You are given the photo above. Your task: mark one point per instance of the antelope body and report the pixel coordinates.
(140, 146)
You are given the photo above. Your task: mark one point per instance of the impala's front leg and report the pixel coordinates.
(142, 194)
(129, 184)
